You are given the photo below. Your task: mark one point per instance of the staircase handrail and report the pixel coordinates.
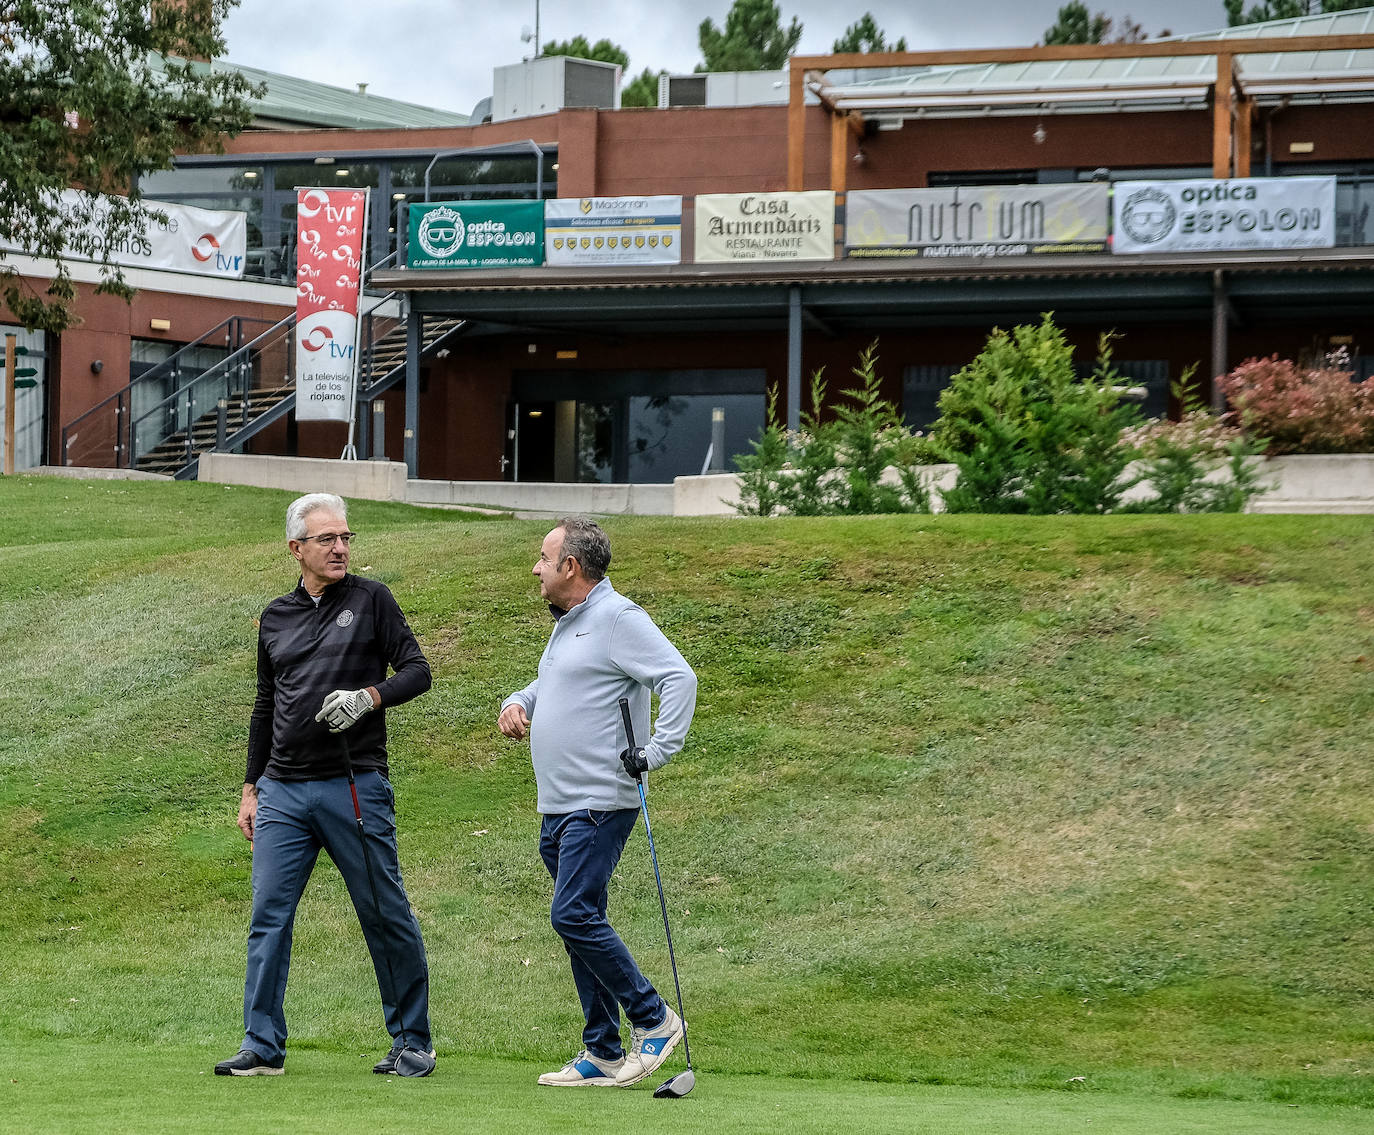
(169, 363)
(211, 372)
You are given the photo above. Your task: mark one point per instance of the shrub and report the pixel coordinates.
(1200, 463)
(835, 467)
(1303, 409)
(1029, 436)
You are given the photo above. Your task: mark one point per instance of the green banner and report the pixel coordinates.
(476, 234)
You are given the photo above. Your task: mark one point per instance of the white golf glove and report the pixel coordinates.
(344, 708)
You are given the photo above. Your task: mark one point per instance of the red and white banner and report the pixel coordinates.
(331, 241)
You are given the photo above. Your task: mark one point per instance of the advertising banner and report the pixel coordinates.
(765, 226)
(331, 240)
(1235, 213)
(204, 241)
(476, 234)
(613, 230)
(985, 220)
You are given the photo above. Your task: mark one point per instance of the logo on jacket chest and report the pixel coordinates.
(344, 619)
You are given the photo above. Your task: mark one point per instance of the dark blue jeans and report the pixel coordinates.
(296, 818)
(581, 850)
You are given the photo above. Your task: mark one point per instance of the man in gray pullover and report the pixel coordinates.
(603, 647)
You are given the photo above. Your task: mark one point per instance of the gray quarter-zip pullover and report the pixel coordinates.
(604, 649)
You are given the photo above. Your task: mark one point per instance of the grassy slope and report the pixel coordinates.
(987, 801)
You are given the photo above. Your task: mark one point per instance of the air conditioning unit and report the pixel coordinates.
(552, 82)
(723, 88)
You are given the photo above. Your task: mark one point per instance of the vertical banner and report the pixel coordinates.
(331, 242)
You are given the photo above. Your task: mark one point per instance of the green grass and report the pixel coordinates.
(996, 803)
(153, 1090)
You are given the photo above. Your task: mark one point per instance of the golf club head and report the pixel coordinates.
(413, 1062)
(677, 1086)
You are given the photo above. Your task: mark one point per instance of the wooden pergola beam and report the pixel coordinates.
(1224, 49)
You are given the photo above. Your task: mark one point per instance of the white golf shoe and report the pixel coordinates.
(585, 1071)
(649, 1048)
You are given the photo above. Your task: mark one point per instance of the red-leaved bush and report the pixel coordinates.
(1303, 409)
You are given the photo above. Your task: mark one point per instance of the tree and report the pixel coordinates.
(753, 39)
(1284, 9)
(865, 37)
(642, 90)
(1075, 25)
(603, 50)
(93, 94)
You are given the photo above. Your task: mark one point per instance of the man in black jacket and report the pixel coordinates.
(323, 654)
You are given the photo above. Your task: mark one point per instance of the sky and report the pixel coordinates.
(440, 53)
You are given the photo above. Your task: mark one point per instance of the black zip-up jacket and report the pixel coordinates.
(306, 652)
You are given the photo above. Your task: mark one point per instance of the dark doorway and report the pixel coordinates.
(534, 448)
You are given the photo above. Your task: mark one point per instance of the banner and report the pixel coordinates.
(989, 220)
(613, 230)
(1236, 213)
(331, 240)
(765, 226)
(476, 234)
(204, 241)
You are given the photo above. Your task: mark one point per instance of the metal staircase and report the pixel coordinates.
(225, 405)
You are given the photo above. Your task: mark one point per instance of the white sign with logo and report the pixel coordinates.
(613, 230)
(1227, 213)
(990, 220)
(204, 241)
(765, 226)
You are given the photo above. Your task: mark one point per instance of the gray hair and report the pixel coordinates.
(586, 543)
(302, 507)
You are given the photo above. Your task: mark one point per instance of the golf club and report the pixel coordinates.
(675, 1087)
(410, 1061)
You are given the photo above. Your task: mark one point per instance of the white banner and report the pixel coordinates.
(203, 241)
(765, 226)
(990, 220)
(331, 237)
(613, 230)
(1235, 213)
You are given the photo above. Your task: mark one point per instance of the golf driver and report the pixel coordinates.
(675, 1087)
(411, 1061)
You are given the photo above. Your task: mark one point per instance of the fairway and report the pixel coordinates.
(322, 1094)
(984, 823)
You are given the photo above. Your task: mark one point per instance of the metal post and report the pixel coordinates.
(221, 423)
(190, 432)
(378, 430)
(794, 358)
(1219, 344)
(718, 440)
(414, 339)
(11, 349)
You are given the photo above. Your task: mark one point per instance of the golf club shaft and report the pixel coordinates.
(658, 879)
(663, 905)
(372, 887)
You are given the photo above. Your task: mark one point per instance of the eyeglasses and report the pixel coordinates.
(326, 539)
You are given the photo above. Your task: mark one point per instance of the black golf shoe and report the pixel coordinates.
(402, 1061)
(250, 1064)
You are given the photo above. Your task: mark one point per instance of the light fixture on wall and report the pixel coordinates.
(97, 366)
(159, 324)
(860, 158)
(1039, 134)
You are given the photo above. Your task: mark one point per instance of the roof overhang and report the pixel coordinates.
(863, 296)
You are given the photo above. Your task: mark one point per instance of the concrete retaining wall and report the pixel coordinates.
(546, 497)
(1301, 483)
(1317, 483)
(361, 480)
(86, 473)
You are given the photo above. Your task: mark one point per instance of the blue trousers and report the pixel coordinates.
(581, 850)
(296, 818)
